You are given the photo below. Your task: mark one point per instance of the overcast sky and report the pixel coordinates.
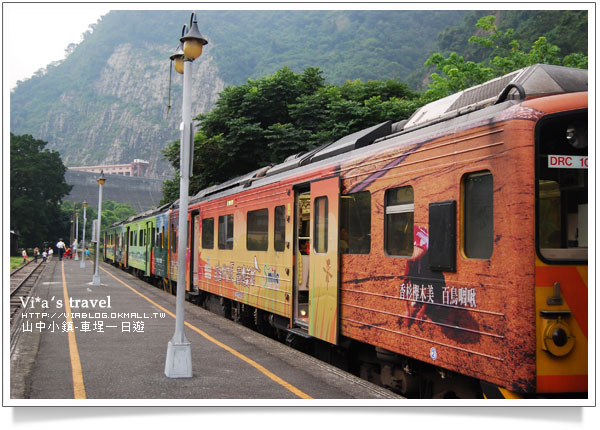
(57, 25)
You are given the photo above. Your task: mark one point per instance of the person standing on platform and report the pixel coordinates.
(61, 249)
(50, 253)
(24, 254)
(44, 255)
(74, 248)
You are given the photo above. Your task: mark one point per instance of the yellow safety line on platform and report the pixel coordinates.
(76, 371)
(241, 356)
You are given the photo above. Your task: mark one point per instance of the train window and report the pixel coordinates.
(279, 239)
(562, 188)
(208, 233)
(257, 233)
(355, 223)
(226, 232)
(399, 221)
(478, 215)
(321, 224)
(153, 244)
(442, 236)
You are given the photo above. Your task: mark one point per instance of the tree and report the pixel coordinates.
(111, 212)
(266, 120)
(37, 186)
(505, 56)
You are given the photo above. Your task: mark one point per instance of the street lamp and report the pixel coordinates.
(179, 352)
(82, 264)
(178, 57)
(76, 236)
(72, 226)
(101, 181)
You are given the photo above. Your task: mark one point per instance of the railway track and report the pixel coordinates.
(22, 281)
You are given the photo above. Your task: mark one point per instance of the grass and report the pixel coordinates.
(15, 262)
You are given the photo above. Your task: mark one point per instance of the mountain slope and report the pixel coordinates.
(107, 101)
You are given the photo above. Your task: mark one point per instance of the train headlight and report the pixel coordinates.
(558, 338)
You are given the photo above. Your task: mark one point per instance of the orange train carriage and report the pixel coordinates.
(445, 255)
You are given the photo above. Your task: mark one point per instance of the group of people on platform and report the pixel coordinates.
(66, 252)
(63, 252)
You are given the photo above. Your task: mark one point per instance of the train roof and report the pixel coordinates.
(145, 214)
(537, 80)
(478, 101)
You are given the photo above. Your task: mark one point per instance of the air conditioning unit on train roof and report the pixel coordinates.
(540, 79)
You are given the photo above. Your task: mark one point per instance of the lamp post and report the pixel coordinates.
(101, 181)
(72, 226)
(179, 352)
(76, 236)
(82, 264)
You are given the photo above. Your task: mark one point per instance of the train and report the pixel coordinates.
(443, 256)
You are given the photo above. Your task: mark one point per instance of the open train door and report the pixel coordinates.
(194, 245)
(324, 259)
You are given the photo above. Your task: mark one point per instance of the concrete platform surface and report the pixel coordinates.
(112, 344)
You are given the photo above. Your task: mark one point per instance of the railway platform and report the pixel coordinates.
(109, 342)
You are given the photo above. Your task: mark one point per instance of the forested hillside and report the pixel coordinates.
(107, 101)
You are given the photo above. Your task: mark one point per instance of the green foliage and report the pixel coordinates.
(577, 59)
(505, 56)
(566, 29)
(37, 186)
(365, 44)
(111, 212)
(458, 75)
(266, 120)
